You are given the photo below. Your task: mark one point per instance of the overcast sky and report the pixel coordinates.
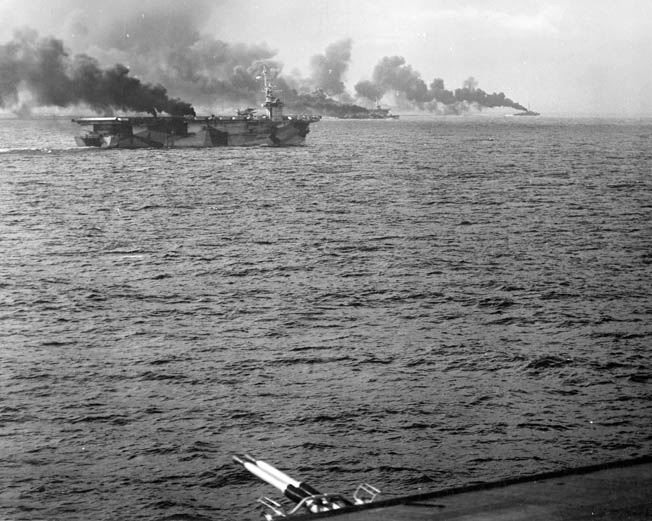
(559, 56)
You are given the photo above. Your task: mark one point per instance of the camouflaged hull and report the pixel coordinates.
(194, 132)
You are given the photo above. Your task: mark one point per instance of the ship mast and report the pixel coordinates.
(273, 105)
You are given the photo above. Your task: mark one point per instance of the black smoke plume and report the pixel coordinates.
(171, 51)
(211, 69)
(470, 93)
(393, 74)
(44, 68)
(328, 69)
(369, 90)
(318, 102)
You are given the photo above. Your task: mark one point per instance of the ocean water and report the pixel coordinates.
(416, 304)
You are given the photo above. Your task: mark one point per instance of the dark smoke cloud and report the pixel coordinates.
(212, 70)
(161, 41)
(328, 69)
(152, 31)
(440, 94)
(44, 68)
(144, 27)
(393, 74)
(319, 103)
(369, 90)
(469, 92)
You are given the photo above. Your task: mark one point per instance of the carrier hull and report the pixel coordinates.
(194, 132)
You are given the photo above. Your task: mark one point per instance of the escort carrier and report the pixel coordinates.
(244, 129)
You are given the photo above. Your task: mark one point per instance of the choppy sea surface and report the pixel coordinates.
(416, 304)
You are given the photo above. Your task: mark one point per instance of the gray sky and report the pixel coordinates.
(560, 56)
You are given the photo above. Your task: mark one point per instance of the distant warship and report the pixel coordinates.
(377, 113)
(244, 128)
(527, 113)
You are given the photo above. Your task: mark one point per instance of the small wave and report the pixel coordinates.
(607, 366)
(542, 426)
(27, 508)
(322, 418)
(171, 478)
(481, 399)
(311, 348)
(421, 362)
(564, 392)
(166, 504)
(310, 361)
(495, 302)
(640, 377)
(57, 343)
(128, 252)
(170, 360)
(619, 335)
(95, 296)
(225, 477)
(152, 376)
(308, 445)
(510, 288)
(113, 419)
(421, 479)
(558, 295)
(184, 517)
(547, 362)
(395, 469)
(506, 321)
(419, 426)
(376, 360)
(161, 276)
(239, 415)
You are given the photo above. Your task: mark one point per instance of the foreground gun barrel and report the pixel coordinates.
(304, 495)
(284, 477)
(276, 478)
(265, 476)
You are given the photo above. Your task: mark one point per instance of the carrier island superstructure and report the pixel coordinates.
(246, 128)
